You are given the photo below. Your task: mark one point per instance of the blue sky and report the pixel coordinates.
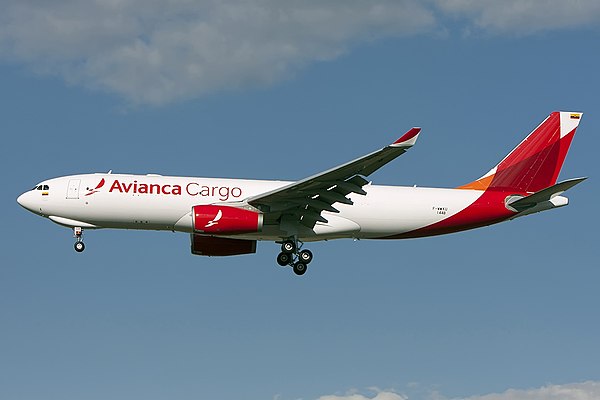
(511, 309)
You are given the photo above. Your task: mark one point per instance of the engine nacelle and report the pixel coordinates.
(225, 220)
(216, 246)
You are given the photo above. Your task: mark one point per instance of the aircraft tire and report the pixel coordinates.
(284, 259)
(305, 256)
(79, 247)
(299, 268)
(288, 246)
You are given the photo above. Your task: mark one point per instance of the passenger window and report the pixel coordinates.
(46, 187)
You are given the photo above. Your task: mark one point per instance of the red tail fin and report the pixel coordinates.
(536, 162)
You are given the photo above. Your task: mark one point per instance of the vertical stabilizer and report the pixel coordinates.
(536, 162)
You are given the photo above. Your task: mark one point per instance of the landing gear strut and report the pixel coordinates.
(293, 256)
(78, 235)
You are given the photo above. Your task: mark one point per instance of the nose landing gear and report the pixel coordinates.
(293, 256)
(78, 235)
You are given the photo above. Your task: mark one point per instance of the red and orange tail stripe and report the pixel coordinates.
(536, 162)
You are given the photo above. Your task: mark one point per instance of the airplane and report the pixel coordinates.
(226, 217)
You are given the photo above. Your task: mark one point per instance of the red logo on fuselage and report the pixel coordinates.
(96, 189)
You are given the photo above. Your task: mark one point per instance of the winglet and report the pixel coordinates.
(408, 139)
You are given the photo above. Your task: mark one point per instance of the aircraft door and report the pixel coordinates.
(73, 189)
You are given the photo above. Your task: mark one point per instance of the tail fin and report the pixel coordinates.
(536, 162)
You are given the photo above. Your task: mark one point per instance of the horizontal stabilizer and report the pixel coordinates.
(544, 195)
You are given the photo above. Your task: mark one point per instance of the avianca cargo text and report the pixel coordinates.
(226, 217)
(223, 193)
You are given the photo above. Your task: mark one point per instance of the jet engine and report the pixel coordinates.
(225, 220)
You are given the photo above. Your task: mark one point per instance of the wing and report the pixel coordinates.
(305, 200)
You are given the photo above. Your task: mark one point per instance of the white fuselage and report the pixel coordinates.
(154, 202)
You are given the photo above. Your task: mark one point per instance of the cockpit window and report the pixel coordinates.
(41, 187)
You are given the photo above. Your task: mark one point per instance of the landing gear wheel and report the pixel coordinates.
(284, 259)
(288, 246)
(299, 268)
(79, 247)
(305, 256)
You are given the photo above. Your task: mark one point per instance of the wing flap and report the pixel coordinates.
(331, 196)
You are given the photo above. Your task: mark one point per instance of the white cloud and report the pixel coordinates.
(523, 16)
(158, 51)
(589, 390)
(575, 391)
(383, 395)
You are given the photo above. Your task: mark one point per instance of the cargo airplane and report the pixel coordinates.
(227, 217)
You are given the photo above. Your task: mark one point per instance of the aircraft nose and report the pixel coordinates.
(24, 201)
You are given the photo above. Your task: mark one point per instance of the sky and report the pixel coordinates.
(282, 90)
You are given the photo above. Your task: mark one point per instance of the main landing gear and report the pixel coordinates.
(293, 256)
(78, 235)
